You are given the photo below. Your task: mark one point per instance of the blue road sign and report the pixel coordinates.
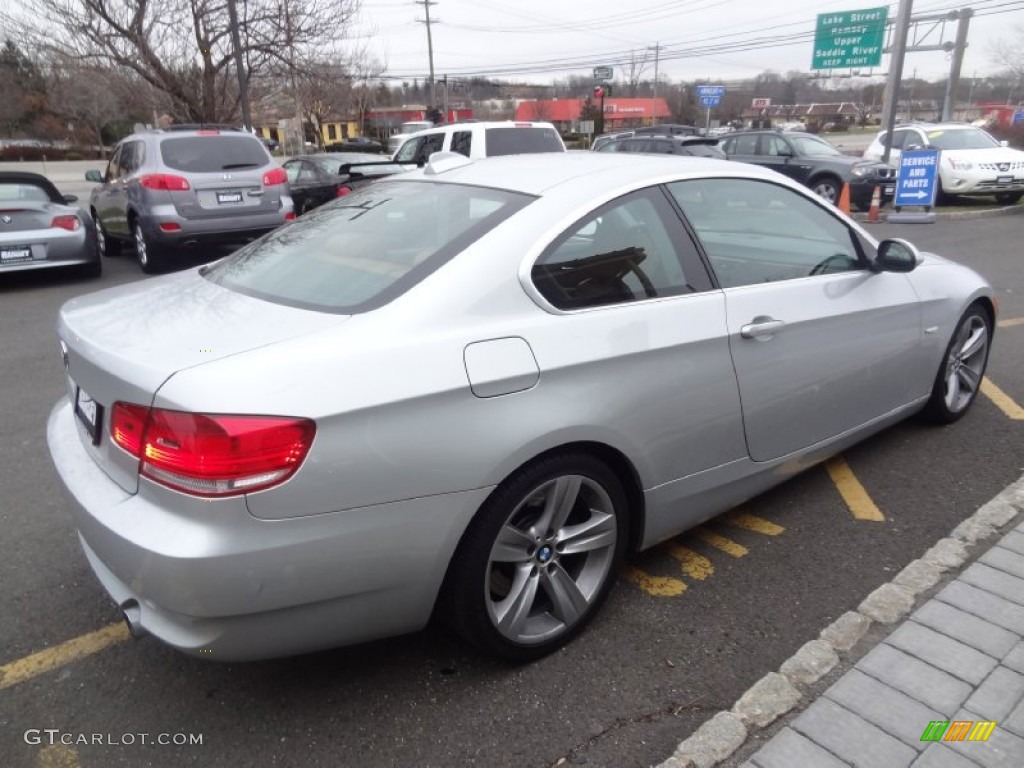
(717, 91)
(919, 171)
(1018, 116)
(710, 101)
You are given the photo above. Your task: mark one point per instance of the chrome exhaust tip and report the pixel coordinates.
(132, 614)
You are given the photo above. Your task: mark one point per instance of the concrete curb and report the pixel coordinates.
(779, 692)
(988, 213)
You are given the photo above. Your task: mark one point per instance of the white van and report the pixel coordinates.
(484, 139)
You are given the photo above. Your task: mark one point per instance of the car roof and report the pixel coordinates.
(536, 174)
(485, 124)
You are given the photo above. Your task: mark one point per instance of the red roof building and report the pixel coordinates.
(618, 113)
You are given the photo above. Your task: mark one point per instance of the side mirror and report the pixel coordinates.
(70, 199)
(94, 176)
(787, 152)
(896, 255)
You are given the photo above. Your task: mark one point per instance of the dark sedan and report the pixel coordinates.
(318, 179)
(40, 229)
(815, 163)
(356, 144)
(695, 146)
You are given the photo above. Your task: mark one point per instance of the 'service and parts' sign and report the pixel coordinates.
(849, 39)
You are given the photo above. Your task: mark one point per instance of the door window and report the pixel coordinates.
(114, 166)
(292, 168)
(408, 151)
(462, 142)
(623, 252)
(775, 146)
(307, 173)
(759, 232)
(743, 145)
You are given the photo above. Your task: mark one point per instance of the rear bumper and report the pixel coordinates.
(60, 250)
(209, 578)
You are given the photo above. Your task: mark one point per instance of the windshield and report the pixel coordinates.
(961, 138)
(809, 145)
(363, 250)
(206, 154)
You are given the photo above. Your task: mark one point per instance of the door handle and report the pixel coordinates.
(762, 328)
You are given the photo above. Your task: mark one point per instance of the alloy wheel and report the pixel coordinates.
(965, 364)
(551, 559)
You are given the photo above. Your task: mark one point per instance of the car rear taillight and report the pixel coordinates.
(69, 222)
(290, 216)
(211, 454)
(166, 181)
(170, 226)
(274, 177)
(342, 191)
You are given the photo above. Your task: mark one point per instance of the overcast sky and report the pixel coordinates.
(538, 40)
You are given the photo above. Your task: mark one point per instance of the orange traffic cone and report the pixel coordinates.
(844, 199)
(876, 202)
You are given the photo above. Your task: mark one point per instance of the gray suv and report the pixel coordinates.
(164, 189)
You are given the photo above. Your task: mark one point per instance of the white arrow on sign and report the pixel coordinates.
(918, 194)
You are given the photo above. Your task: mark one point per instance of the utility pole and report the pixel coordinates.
(892, 86)
(295, 89)
(657, 49)
(243, 81)
(430, 43)
(958, 59)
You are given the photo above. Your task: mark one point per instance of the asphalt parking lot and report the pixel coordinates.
(691, 625)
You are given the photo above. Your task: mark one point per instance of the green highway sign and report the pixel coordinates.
(849, 39)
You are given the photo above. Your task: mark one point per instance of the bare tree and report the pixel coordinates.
(1009, 54)
(183, 47)
(635, 68)
(86, 94)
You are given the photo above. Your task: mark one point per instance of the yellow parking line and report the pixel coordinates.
(728, 546)
(57, 756)
(656, 586)
(1010, 322)
(1001, 400)
(39, 663)
(853, 493)
(694, 565)
(752, 523)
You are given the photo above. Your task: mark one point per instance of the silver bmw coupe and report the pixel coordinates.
(471, 389)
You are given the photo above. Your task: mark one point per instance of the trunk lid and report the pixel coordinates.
(122, 344)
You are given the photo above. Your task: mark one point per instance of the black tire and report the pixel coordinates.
(91, 270)
(962, 367)
(1009, 198)
(560, 590)
(107, 245)
(150, 256)
(827, 188)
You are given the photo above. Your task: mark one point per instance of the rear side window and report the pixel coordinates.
(364, 249)
(462, 142)
(521, 140)
(208, 154)
(623, 252)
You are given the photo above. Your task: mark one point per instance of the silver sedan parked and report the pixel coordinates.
(470, 390)
(39, 228)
